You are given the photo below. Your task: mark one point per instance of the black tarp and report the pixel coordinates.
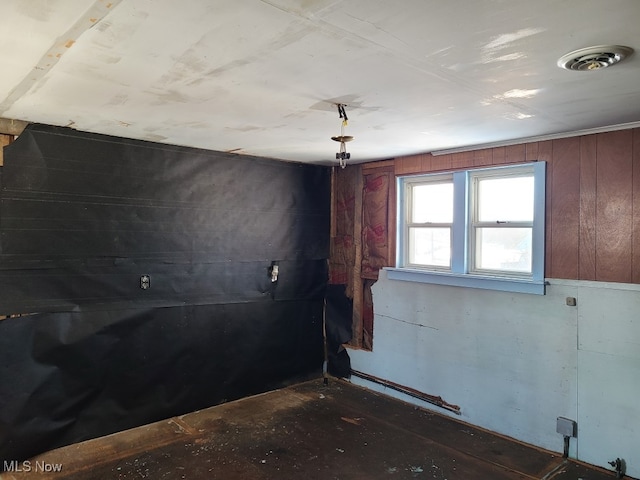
(338, 317)
(84, 217)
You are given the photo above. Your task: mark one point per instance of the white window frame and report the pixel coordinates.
(462, 271)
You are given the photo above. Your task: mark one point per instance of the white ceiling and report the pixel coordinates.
(262, 77)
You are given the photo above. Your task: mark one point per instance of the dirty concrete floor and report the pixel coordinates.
(307, 431)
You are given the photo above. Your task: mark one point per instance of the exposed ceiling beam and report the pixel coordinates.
(9, 126)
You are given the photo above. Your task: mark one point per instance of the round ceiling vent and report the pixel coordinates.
(594, 58)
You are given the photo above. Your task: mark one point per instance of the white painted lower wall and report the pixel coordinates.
(516, 362)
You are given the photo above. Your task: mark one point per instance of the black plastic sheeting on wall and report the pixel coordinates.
(339, 315)
(83, 218)
(72, 376)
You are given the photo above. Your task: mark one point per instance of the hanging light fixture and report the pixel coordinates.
(342, 156)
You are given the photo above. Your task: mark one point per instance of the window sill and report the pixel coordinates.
(503, 284)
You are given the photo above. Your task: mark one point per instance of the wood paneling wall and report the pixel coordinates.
(593, 199)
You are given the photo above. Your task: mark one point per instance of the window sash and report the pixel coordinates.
(513, 257)
(475, 253)
(410, 226)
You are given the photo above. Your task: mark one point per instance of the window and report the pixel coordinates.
(481, 228)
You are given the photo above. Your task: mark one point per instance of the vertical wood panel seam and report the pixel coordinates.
(635, 213)
(595, 213)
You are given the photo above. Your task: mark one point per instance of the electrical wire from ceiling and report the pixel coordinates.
(342, 156)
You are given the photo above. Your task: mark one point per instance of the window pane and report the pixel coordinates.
(432, 203)
(505, 199)
(506, 249)
(430, 246)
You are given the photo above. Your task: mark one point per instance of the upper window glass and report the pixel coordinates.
(505, 199)
(433, 202)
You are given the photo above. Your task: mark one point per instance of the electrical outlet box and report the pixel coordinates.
(566, 427)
